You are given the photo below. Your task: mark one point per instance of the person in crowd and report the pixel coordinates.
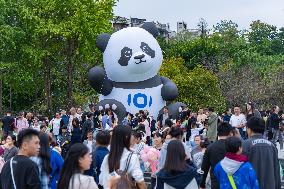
(30, 118)
(158, 144)
(64, 117)
(20, 171)
(56, 124)
(198, 151)
(21, 122)
(262, 154)
(175, 133)
(176, 173)
(36, 124)
(138, 147)
(73, 115)
(162, 117)
(76, 136)
(10, 147)
(43, 127)
(234, 171)
(158, 140)
(274, 123)
(77, 161)
(56, 162)
(121, 158)
(212, 125)
(191, 119)
(195, 131)
(166, 127)
(79, 114)
(43, 161)
(251, 111)
(214, 154)
(91, 144)
(127, 120)
(201, 116)
(64, 140)
(227, 115)
(146, 123)
(8, 123)
(238, 120)
(88, 125)
(102, 143)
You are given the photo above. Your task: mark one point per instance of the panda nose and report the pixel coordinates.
(139, 56)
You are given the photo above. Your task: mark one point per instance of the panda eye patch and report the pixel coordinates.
(126, 54)
(146, 49)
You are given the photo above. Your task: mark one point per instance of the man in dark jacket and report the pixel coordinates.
(214, 154)
(262, 154)
(88, 125)
(8, 123)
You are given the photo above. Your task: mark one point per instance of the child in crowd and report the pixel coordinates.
(102, 143)
(234, 171)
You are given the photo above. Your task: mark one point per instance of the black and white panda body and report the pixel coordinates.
(132, 58)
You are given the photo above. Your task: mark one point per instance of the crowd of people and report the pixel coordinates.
(92, 149)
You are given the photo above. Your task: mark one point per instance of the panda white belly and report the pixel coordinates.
(139, 99)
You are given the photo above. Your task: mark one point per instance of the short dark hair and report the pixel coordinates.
(233, 144)
(90, 114)
(176, 132)
(137, 135)
(211, 109)
(256, 125)
(169, 122)
(237, 105)
(103, 138)
(26, 135)
(224, 129)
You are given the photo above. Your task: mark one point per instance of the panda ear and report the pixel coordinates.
(102, 41)
(151, 28)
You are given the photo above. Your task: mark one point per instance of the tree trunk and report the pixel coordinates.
(1, 95)
(70, 60)
(10, 94)
(47, 85)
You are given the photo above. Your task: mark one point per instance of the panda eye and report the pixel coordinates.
(145, 48)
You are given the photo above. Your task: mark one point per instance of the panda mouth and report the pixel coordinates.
(140, 61)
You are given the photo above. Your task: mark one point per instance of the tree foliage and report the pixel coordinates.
(197, 87)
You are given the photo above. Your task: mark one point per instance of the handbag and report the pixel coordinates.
(126, 181)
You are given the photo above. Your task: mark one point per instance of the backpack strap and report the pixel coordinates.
(232, 182)
(128, 162)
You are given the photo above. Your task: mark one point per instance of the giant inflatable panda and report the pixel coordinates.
(129, 82)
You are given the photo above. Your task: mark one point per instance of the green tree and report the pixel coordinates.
(197, 88)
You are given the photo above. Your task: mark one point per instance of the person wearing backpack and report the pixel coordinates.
(234, 171)
(121, 159)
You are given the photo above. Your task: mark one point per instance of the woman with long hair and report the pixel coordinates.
(77, 161)
(43, 161)
(119, 157)
(251, 111)
(10, 148)
(176, 172)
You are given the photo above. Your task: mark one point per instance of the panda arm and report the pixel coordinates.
(99, 80)
(169, 90)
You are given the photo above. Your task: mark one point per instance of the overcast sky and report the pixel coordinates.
(171, 11)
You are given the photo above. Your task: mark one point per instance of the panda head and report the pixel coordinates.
(131, 54)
